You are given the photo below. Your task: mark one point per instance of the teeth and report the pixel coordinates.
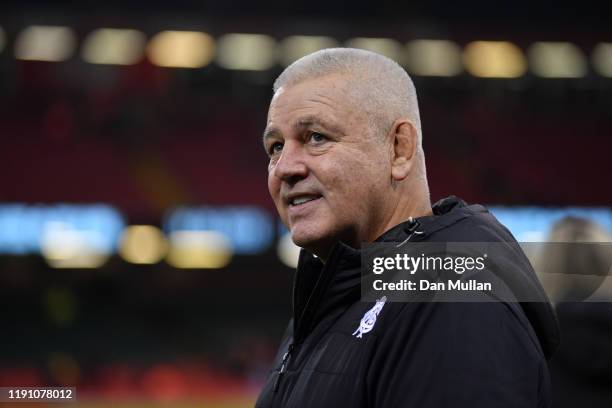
(301, 200)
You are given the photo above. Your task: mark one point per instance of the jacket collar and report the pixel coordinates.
(320, 288)
(446, 212)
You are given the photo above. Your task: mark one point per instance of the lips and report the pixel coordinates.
(302, 200)
(299, 199)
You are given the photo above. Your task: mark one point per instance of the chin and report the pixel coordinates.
(304, 240)
(314, 241)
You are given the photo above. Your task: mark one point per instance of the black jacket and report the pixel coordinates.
(581, 370)
(417, 354)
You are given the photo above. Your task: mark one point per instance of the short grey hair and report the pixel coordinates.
(380, 86)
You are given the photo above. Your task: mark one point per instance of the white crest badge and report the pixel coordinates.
(369, 319)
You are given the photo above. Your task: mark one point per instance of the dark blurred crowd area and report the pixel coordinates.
(145, 139)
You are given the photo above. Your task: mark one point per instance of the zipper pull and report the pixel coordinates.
(282, 367)
(412, 229)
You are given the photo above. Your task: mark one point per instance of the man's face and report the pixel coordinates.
(328, 175)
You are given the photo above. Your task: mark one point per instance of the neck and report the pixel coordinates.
(414, 203)
(405, 205)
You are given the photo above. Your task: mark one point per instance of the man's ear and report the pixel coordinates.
(404, 137)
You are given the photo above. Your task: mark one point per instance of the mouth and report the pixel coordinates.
(302, 199)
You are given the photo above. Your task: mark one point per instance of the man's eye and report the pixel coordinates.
(317, 137)
(276, 147)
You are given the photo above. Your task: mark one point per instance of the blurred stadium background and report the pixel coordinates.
(141, 259)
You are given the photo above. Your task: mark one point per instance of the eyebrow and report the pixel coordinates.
(305, 122)
(310, 120)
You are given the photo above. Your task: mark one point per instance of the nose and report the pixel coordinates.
(290, 166)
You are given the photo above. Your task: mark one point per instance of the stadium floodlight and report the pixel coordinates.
(433, 58)
(64, 246)
(253, 52)
(24, 228)
(494, 59)
(557, 60)
(181, 49)
(602, 59)
(249, 229)
(45, 43)
(385, 46)
(296, 46)
(199, 249)
(113, 46)
(142, 244)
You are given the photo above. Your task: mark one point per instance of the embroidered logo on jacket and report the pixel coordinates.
(369, 319)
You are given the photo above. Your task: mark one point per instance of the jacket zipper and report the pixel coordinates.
(414, 224)
(284, 362)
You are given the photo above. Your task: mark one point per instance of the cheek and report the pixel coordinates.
(345, 186)
(274, 190)
(273, 184)
(356, 184)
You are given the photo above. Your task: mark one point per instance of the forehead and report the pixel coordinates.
(325, 98)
